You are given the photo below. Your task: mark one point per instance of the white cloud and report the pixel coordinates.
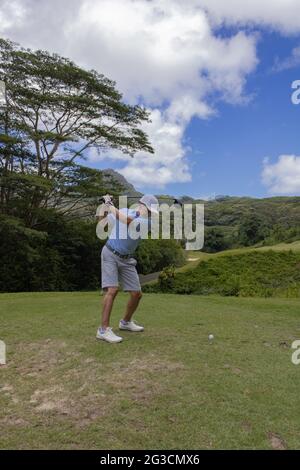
(12, 14)
(282, 15)
(159, 50)
(282, 177)
(289, 62)
(164, 53)
(168, 164)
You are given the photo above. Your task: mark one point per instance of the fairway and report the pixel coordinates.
(166, 388)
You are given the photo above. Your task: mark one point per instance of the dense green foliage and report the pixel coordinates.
(232, 222)
(257, 273)
(252, 230)
(154, 255)
(214, 240)
(60, 256)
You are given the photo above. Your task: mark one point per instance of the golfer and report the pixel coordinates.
(118, 264)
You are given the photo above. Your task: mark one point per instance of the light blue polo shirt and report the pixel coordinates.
(119, 238)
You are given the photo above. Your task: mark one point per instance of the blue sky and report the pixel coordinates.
(215, 77)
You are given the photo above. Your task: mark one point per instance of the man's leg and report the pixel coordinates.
(109, 271)
(134, 300)
(105, 333)
(131, 283)
(108, 300)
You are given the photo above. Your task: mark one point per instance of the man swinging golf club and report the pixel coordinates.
(118, 264)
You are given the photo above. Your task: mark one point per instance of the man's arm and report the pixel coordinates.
(108, 208)
(105, 209)
(124, 218)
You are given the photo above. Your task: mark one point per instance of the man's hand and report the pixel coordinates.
(104, 208)
(107, 199)
(107, 207)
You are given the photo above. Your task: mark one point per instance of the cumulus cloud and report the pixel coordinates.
(165, 54)
(169, 162)
(156, 171)
(282, 177)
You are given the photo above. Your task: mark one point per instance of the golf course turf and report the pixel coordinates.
(166, 388)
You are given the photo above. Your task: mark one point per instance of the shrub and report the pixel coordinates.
(155, 255)
(166, 279)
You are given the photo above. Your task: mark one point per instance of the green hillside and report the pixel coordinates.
(232, 222)
(193, 257)
(274, 210)
(261, 272)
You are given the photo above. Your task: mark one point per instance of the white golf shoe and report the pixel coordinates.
(130, 326)
(108, 335)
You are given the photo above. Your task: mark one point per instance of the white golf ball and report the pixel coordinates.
(210, 337)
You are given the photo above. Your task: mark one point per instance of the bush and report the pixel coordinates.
(214, 240)
(166, 279)
(155, 255)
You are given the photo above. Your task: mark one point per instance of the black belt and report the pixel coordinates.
(115, 252)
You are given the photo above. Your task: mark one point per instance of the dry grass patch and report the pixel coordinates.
(55, 380)
(277, 443)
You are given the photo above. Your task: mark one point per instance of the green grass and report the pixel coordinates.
(166, 388)
(294, 246)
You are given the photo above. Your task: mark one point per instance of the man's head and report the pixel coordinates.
(149, 202)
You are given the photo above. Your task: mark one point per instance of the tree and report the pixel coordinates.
(252, 230)
(54, 112)
(214, 240)
(62, 255)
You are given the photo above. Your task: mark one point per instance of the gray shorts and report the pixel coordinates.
(115, 269)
